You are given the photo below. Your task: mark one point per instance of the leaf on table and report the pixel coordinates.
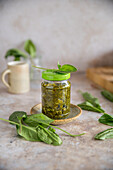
(29, 133)
(106, 119)
(106, 134)
(48, 136)
(108, 95)
(35, 119)
(94, 101)
(14, 116)
(88, 106)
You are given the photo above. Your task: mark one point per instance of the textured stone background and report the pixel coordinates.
(71, 31)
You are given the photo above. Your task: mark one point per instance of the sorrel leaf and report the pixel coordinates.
(35, 119)
(106, 134)
(30, 48)
(106, 119)
(108, 95)
(48, 136)
(16, 53)
(67, 68)
(29, 133)
(14, 116)
(91, 99)
(88, 106)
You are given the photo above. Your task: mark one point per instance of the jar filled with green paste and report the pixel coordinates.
(55, 89)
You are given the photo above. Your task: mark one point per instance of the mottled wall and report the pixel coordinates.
(71, 31)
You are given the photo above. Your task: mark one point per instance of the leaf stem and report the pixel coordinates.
(64, 130)
(9, 121)
(67, 132)
(27, 127)
(40, 67)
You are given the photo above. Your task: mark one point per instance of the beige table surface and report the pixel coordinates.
(74, 154)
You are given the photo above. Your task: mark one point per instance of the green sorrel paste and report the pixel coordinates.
(55, 94)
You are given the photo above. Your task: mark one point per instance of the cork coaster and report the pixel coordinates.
(75, 112)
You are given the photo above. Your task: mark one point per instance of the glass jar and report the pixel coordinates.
(34, 74)
(55, 95)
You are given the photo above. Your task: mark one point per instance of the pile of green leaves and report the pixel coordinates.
(91, 103)
(66, 68)
(36, 128)
(29, 47)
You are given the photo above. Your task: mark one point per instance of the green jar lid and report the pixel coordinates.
(52, 76)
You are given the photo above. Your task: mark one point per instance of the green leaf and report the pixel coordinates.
(88, 106)
(66, 68)
(94, 101)
(108, 95)
(88, 97)
(14, 116)
(16, 53)
(45, 135)
(48, 136)
(39, 133)
(106, 119)
(29, 133)
(30, 48)
(35, 119)
(106, 134)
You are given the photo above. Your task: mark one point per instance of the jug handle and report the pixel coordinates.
(3, 77)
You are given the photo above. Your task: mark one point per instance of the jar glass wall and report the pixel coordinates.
(56, 98)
